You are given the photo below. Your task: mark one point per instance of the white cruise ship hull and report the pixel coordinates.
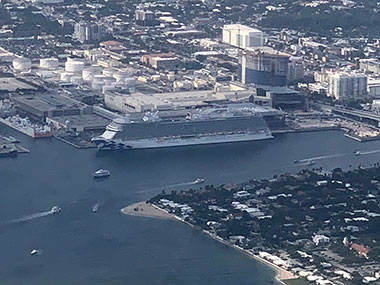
(173, 142)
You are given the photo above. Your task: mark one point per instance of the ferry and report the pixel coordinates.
(101, 173)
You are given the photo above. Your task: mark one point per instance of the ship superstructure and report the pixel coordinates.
(216, 124)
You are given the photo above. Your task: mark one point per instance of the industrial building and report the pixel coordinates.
(137, 102)
(263, 66)
(283, 98)
(369, 65)
(242, 36)
(78, 123)
(50, 105)
(167, 61)
(88, 32)
(346, 85)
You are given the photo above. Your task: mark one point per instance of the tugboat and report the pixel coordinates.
(101, 173)
(199, 181)
(55, 210)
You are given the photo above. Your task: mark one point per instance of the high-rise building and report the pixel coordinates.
(242, 36)
(88, 32)
(144, 17)
(296, 69)
(346, 85)
(263, 66)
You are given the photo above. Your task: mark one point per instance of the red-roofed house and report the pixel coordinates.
(360, 249)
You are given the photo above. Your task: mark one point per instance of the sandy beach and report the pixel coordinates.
(143, 209)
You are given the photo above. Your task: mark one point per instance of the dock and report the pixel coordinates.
(12, 143)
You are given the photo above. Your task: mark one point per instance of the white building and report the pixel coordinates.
(242, 36)
(345, 85)
(320, 239)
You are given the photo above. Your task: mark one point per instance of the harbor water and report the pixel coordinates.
(82, 247)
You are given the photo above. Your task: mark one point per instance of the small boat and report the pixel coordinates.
(55, 210)
(296, 161)
(310, 162)
(356, 153)
(101, 173)
(95, 208)
(199, 181)
(36, 252)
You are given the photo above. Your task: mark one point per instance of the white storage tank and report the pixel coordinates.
(70, 59)
(109, 80)
(22, 64)
(108, 72)
(97, 85)
(74, 66)
(66, 76)
(89, 73)
(76, 80)
(49, 63)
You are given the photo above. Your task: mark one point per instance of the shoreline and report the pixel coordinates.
(144, 209)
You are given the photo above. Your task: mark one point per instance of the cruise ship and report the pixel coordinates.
(208, 125)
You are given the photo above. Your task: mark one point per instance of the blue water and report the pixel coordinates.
(82, 247)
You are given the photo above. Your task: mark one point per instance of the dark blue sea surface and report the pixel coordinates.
(107, 247)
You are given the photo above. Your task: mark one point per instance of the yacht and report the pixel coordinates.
(199, 181)
(55, 210)
(101, 173)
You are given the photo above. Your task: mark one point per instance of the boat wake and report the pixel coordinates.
(369, 152)
(183, 184)
(189, 183)
(321, 157)
(31, 217)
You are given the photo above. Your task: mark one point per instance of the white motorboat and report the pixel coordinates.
(55, 209)
(101, 173)
(36, 252)
(199, 181)
(95, 208)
